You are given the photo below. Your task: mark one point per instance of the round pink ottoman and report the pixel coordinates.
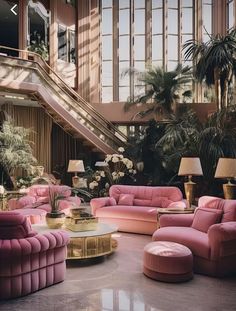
(34, 215)
(167, 262)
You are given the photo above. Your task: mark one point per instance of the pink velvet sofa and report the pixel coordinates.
(29, 261)
(37, 196)
(210, 233)
(134, 208)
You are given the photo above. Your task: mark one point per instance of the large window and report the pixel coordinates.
(230, 14)
(9, 25)
(148, 32)
(66, 44)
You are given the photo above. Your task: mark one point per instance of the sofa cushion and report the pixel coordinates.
(229, 211)
(142, 202)
(143, 213)
(160, 202)
(195, 240)
(126, 199)
(206, 217)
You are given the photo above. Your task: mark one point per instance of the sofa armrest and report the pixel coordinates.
(178, 205)
(33, 245)
(180, 220)
(101, 202)
(222, 239)
(21, 202)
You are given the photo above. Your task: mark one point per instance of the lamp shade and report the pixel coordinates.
(226, 168)
(101, 164)
(190, 166)
(75, 166)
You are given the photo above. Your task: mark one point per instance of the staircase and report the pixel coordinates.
(31, 74)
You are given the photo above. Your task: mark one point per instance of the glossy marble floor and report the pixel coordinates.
(117, 283)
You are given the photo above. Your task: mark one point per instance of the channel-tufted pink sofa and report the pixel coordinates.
(29, 261)
(210, 234)
(134, 208)
(37, 196)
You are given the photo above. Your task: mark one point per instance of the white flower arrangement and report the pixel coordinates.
(119, 170)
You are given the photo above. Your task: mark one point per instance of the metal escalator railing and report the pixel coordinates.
(74, 100)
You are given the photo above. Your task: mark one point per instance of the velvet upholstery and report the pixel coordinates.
(29, 261)
(167, 261)
(141, 216)
(37, 197)
(206, 217)
(214, 251)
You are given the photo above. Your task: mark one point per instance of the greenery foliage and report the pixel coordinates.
(15, 148)
(185, 135)
(162, 89)
(215, 63)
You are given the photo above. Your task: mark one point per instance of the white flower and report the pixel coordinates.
(107, 185)
(91, 186)
(125, 160)
(121, 174)
(129, 164)
(113, 174)
(115, 159)
(108, 158)
(98, 178)
(121, 149)
(130, 171)
(134, 172)
(102, 174)
(95, 183)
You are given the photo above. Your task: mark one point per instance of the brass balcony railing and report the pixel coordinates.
(28, 68)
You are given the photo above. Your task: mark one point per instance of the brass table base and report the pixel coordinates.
(90, 247)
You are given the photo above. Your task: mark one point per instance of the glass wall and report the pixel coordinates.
(150, 31)
(38, 28)
(9, 25)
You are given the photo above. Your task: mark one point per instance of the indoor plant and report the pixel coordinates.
(55, 219)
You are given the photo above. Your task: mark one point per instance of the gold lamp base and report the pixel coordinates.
(189, 188)
(229, 191)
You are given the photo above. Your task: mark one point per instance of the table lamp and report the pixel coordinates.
(190, 167)
(75, 166)
(226, 168)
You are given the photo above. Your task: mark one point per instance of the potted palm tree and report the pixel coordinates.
(15, 150)
(215, 63)
(163, 89)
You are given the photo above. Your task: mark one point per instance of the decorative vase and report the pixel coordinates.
(55, 220)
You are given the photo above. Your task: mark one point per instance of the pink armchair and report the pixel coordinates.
(210, 234)
(29, 261)
(38, 197)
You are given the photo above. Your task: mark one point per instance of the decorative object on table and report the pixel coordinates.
(226, 168)
(85, 222)
(76, 211)
(55, 219)
(75, 166)
(190, 167)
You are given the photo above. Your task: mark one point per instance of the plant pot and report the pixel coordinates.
(55, 220)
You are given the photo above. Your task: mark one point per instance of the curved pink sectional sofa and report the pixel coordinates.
(35, 204)
(134, 208)
(210, 233)
(29, 261)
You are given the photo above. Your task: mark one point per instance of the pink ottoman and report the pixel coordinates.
(168, 262)
(34, 215)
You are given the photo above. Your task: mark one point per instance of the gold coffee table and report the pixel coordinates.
(87, 244)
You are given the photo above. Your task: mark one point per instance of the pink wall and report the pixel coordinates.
(115, 113)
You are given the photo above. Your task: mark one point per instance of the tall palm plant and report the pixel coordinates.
(215, 63)
(162, 90)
